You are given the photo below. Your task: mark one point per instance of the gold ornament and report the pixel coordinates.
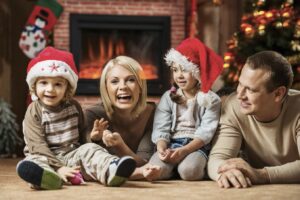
(261, 2)
(286, 14)
(261, 29)
(236, 77)
(295, 45)
(269, 14)
(286, 23)
(226, 65)
(217, 2)
(278, 25)
(297, 33)
(249, 32)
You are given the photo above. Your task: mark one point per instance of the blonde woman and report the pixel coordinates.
(122, 122)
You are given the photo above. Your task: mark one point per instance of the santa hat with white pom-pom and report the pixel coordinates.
(196, 57)
(52, 62)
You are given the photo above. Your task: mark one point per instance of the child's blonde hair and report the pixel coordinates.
(68, 94)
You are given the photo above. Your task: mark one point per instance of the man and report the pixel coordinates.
(261, 120)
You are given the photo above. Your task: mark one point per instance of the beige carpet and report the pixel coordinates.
(12, 187)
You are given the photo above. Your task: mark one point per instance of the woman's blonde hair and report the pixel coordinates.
(135, 68)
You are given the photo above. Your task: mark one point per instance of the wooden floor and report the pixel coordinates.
(12, 187)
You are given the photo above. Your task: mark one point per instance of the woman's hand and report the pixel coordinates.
(68, 172)
(112, 139)
(98, 128)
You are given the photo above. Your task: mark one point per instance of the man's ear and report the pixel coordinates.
(280, 93)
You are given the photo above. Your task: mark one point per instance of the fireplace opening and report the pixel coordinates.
(97, 38)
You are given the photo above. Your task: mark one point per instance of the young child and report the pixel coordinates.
(53, 131)
(187, 116)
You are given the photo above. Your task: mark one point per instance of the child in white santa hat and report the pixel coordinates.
(187, 116)
(54, 130)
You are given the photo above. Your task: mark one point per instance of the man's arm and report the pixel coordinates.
(226, 145)
(289, 172)
(227, 141)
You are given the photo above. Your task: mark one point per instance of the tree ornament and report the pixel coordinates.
(249, 31)
(226, 65)
(286, 23)
(286, 14)
(297, 34)
(295, 45)
(228, 57)
(261, 3)
(278, 25)
(261, 29)
(217, 2)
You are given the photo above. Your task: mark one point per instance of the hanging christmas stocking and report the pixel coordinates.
(34, 37)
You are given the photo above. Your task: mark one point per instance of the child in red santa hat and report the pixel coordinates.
(53, 130)
(187, 116)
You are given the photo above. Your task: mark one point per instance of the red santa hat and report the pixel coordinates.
(52, 62)
(197, 58)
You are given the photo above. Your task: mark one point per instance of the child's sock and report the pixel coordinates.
(37, 176)
(120, 170)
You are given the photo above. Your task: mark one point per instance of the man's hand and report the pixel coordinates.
(233, 178)
(256, 176)
(112, 139)
(98, 128)
(68, 172)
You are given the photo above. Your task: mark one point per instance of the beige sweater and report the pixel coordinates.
(136, 133)
(274, 145)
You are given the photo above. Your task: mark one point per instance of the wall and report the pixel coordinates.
(173, 8)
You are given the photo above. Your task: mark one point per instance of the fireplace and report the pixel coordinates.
(94, 39)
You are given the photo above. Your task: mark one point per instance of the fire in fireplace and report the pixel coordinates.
(97, 38)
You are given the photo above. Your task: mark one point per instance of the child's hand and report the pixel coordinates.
(177, 155)
(66, 172)
(162, 150)
(165, 155)
(98, 128)
(112, 139)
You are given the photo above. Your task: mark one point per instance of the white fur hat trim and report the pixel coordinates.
(174, 56)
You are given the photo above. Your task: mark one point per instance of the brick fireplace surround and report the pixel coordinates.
(176, 9)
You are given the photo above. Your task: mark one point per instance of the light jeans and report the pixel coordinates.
(191, 168)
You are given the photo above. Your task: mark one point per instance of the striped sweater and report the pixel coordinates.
(50, 131)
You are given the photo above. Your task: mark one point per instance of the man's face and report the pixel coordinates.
(252, 94)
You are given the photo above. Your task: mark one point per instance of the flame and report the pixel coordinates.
(91, 67)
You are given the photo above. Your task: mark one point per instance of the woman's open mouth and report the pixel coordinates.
(124, 98)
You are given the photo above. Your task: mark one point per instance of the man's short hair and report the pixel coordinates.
(281, 73)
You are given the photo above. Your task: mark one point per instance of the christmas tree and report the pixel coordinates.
(265, 25)
(9, 138)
